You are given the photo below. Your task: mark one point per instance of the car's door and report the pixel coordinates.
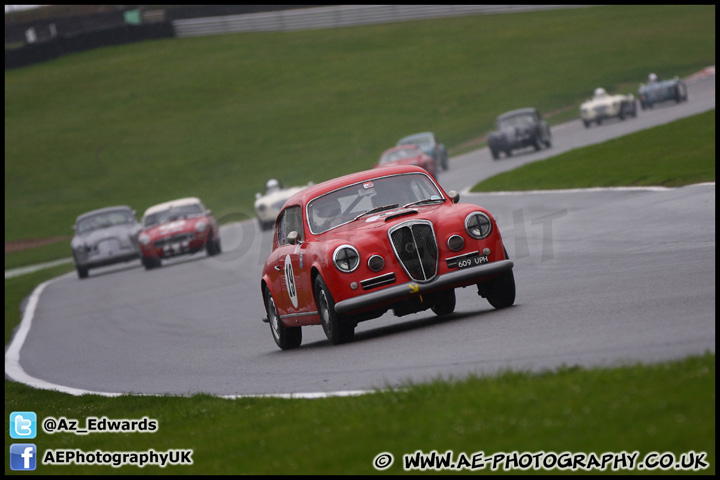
(293, 292)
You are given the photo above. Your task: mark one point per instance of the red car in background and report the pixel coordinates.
(350, 249)
(178, 227)
(407, 155)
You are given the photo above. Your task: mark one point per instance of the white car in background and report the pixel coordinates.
(603, 106)
(269, 204)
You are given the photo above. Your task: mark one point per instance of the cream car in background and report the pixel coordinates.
(268, 205)
(603, 106)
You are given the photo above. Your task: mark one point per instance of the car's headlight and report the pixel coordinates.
(478, 225)
(346, 258)
(200, 226)
(144, 239)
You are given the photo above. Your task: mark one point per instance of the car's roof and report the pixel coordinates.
(313, 191)
(519, 111)
(103, 210)
(171, 204)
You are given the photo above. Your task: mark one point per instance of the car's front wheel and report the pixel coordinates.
(150, 263)
(285, 337)
(445, 303)
(338, 329)
(82, 272)
(213, 246)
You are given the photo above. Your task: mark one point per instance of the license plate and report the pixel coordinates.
(472, 261)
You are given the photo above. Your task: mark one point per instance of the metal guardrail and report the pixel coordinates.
(338, 16)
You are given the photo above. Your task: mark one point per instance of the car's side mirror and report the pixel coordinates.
(208, 212)
(293, 238)
(257, 195)
(454, 196)
(73, 227)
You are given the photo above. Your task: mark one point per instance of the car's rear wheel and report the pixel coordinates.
(495, 154)
(445, 303)
(285, 337)
(338, 329)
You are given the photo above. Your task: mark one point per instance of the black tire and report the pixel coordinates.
(499, 291)
(537, 143)
(213, 246)
(82, 272)
(508, 152)
(586, 123)
(338, 329)
(445, 304)
(285, 337)
(495, 154)
(150, 263)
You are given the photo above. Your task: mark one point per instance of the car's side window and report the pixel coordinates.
(290, 220)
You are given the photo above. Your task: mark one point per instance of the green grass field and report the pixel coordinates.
(666, 407)
(217, 116)
(671, 155)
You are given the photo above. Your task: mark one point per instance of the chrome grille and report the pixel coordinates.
(416, 249)
(179, 238)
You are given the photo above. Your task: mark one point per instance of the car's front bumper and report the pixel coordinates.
(453, 279)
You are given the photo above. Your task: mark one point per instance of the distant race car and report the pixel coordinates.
(178, 227)
(407, 155)
(519, 129)
(603, 106)
(104, 237)
(660, 91)
(350, 249)
(268, 205)
(428, 144)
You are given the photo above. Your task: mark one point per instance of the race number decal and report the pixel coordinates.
(290, 281)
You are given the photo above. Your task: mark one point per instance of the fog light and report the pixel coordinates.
(354, 285)
(455, 243)
(486, 251)
(376, 263)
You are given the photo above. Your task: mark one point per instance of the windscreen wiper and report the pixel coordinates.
(376, 210)
(426, 200)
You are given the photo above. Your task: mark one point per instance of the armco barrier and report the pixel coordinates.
(337, 16)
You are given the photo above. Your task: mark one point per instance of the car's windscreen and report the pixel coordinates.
(398, 155)
(174, 213)
(515, 120)
(421, 141)
(375, 194)
(103, 220)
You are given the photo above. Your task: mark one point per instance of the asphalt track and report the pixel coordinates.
(604, 277)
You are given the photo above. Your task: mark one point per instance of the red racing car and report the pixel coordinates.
(350, 249)
(178, 227)
(407, 155)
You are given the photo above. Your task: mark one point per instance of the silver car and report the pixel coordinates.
(103, 237)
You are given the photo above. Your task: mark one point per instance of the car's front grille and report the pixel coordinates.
(416, 249)
(174, 239)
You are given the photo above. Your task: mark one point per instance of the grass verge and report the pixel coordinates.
(679, 153)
